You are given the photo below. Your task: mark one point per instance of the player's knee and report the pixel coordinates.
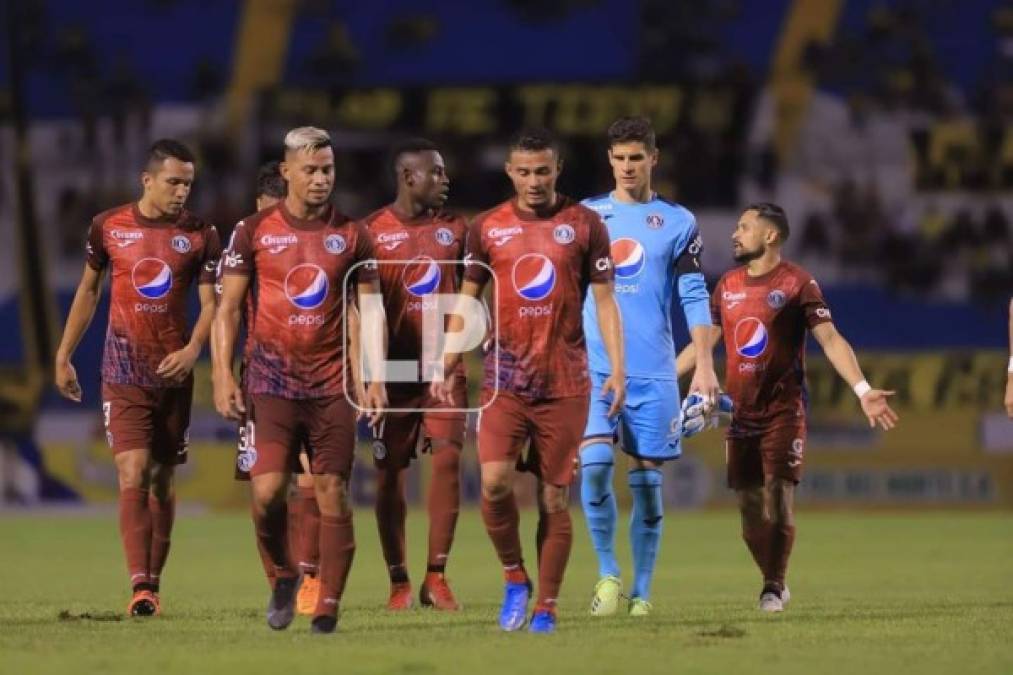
(751, 508)
(495, 488)
(267, 494)
(388, 479)
(132, 469)
(555, 498)
(162, 481)
(645, 484)
(332, 495)
(596, 466)
(782, 493)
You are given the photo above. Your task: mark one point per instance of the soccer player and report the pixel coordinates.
(1009, 368)
(416, 230)
(155, 249)
(303, 512)
(544, 251)
(297, 253)
(764, 309)
(656, 251)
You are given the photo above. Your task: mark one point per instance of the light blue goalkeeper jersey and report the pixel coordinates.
(656, 251)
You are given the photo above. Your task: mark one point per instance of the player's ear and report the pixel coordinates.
(283, 170)
(654, 157)
(147, 179)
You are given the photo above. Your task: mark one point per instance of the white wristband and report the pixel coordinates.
(1010, 368)
(862, 388)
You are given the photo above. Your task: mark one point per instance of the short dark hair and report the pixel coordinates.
(632, 129)
(533, 139)
(408, 146)
(164, 148)
(774, 215)
(269, 181)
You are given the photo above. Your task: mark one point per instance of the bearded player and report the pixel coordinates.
(656, 249)
(764, 309)
(155, 250)
(298, 254)
(409, 237)
(544, 251)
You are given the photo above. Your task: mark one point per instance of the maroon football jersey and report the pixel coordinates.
(153, 263)
(542, 267)
(407, 251)
(765, 320)
(296, 327)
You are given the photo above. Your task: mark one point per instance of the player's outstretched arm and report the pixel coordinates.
(842, 358)
(224, 328)
(178, 364)
(1009, 368)
(86, 298)
(610, 324)
(373, 346)
(685, 362)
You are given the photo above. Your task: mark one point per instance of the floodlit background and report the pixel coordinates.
(885, 129)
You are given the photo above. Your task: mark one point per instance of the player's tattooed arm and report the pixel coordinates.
(224, 328)
(373, 346)
(179, 364)
(610, 324)
(842, 358)
(86, 298)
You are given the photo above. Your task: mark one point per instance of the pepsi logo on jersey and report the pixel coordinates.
(152, 279)
(630, 259)
(306, 287)
(750, 337)
(534, 278)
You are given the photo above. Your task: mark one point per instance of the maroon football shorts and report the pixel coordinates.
(778, 452)
(396, 438)
(554, 428)
(278, 428)
(157, 419)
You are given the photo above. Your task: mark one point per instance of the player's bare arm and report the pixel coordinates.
(358, 387)
(685, 362)
(179, 364)
(842, 358)
(1009, 368)
(374, 351)
(610, 324)
(705, 380)
(442, 390)
(86, 298)
(227, 394)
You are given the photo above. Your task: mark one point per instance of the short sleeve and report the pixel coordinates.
(211, 255)
(238, 257)
(97, 256)
(716, 303)
(599, 256)
(475, 252)
(813, 305)
(366, 273)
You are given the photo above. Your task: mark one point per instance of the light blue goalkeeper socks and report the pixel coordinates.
(645, 527)
(599, 504)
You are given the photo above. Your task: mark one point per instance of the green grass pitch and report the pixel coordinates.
(872, 593)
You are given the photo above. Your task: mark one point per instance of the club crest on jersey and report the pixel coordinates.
(534, 276)
(750, 337)
(629, 257)
(655, 221)
(152, 278)
(180, 244)
(421, 276)
(306, 286)
(564, 234)
(444, 236)
(335, 243)
(776, 299)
